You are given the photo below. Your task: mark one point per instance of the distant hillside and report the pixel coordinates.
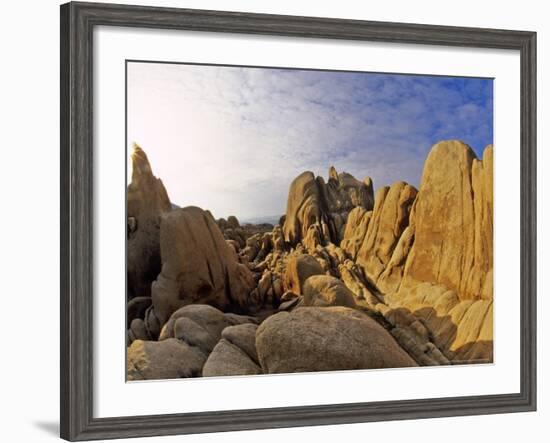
(271, 219)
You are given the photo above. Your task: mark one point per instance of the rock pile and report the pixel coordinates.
(346, 280)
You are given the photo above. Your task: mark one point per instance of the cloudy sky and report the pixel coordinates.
(231, 139)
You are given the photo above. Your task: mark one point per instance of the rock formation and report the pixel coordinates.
(198, 266)
(147, 202)
(452, 221)
(344, 281)
(317, 211)
(149, 360)
(325, 290)
(325, 339)
(389, 219)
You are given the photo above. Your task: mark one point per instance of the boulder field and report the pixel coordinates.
(348, 278)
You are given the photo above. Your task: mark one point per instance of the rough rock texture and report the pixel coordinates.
(235, 353)
(389, 219)
(441, 270)
(325, 290)
(355, 230)
(317, 211)
(198, 266)
(172, 358)
(452, 220)
(461, 329)
(136, 308)
(244, 337)
(343, 282)
(228, 359)
(326, 339)
(147, 202)
(200, 326)
(429, 254)
(298, 269)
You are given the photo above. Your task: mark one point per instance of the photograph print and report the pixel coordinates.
(284, 220)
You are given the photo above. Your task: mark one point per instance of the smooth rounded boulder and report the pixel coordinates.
(172, 358)
(325, 290)
(200, 326)
(312, 339)
(298, 269)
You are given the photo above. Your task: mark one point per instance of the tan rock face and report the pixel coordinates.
(147, 202)
(318, 211)
(461, 329)
(355, 230)
(453, 222)
(389, 219)
(324, 290)
(198, 266)
(326, 339)
(298, 269)
(303, 208)
(431, 252)
(345, 283)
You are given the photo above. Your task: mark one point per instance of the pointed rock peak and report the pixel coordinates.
(368, 182)
(332, 173)
(140, 162)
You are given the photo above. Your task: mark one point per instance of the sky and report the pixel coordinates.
(231, 139)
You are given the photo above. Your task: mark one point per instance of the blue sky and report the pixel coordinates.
(231, 139)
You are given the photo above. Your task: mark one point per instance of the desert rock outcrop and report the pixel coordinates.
(317, 211)
(198, 266)
(344, 281)
(452, 220)
(147, 202)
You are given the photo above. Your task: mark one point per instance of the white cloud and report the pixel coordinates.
(232, 139)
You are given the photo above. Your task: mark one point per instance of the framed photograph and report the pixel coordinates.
(337, 214)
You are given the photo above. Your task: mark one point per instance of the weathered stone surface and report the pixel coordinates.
(200, 326)
(324, 290)
(172, 358)
(453, 225)
(343, 192)
(198, 266)
(317, 211)
(288, 305)
(325, 339)
(136, 308)
(244, 337)
(232, 222)
(391, 277)
(298, 269)
(137, 327)
(355, 230)
(415, 267)
(147, 202)
(389, 219)
(228, 359)
(461, 329)
(303, 207)
(353, 277)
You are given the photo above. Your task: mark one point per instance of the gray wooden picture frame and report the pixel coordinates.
(77, 23)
